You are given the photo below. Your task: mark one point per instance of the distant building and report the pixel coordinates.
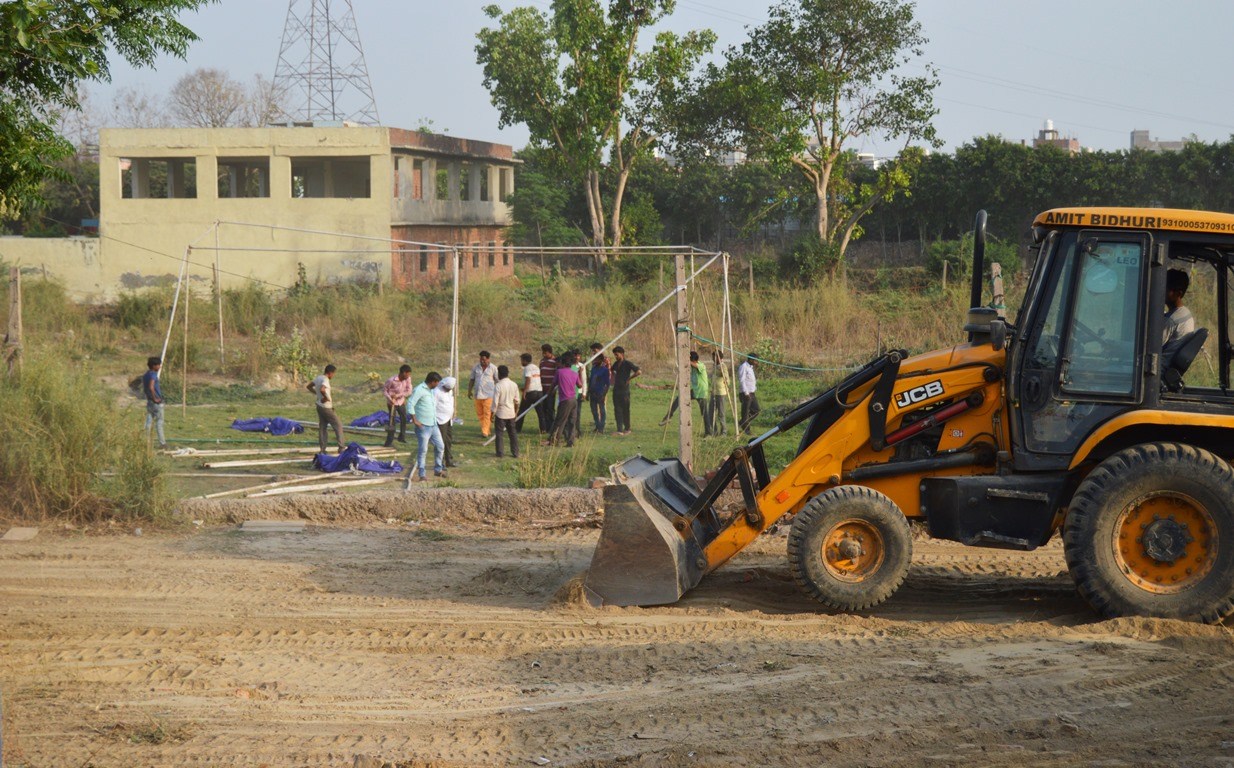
(1141, 140)
(1048, 136)
(869, 160)
(161, 189)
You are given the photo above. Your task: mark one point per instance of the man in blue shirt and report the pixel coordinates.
(154, 398)
(422, 405)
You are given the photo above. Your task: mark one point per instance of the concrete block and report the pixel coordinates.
(272, 526)
(20, 534)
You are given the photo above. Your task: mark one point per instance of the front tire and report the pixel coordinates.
(1150, 532)
(850, 548)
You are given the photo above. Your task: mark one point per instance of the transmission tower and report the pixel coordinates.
(321, 75)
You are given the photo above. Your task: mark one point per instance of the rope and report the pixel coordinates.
(739, 353)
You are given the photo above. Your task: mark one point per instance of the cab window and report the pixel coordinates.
(1102, 352)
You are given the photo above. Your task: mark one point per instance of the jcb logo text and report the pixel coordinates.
(918, 394)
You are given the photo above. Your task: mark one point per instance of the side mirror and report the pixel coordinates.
(998, 334)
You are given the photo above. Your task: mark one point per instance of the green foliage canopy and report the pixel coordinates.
(46, 48)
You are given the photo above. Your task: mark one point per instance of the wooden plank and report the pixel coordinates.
(270, 462)
(273, 484)
(324, 486)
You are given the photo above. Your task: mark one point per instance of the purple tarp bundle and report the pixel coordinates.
(277, 426)
(374, 419)
(354, 457)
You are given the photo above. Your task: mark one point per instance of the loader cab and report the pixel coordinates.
(1090, 343)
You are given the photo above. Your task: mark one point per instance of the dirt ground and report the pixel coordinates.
(447, 642)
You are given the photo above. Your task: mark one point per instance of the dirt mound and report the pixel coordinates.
(449, 505)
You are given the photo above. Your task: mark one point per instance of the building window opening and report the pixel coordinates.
(443, 183)
(505, 184)
(424, 258)
(505, 255)
(158, 177)
(475, 255)
(417, 179)
(464, 182)
(441, 261)
(345, 177)
(492, 254)
(244, 177)
(484, 191)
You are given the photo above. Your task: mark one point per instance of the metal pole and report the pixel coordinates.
(454, 337)
(184, 380)
(218, 293)
(686, 426)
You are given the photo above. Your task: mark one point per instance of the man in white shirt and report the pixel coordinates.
(533, 390)
(1178, 319)
(326, 416)
(444, 398)
(747, 386)
(481, 387)
(505, 408)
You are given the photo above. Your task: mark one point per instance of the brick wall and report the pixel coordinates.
(482, 251)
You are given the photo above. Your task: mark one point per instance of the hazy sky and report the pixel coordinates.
(1097, 68)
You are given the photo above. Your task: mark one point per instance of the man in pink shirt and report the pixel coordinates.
(397, 389)
(568, 381)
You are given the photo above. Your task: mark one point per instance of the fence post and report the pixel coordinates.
(12, 339)
(685, 407)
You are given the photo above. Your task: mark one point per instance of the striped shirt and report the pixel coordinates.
(548, 373)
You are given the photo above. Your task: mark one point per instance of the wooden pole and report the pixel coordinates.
(945, 264)
(12, 339)
(685, 425)
(996, 281)
(751, 266)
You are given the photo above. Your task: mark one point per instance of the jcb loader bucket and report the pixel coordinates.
(649, 551)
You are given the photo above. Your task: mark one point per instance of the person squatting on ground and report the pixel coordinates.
(505, 409)
(547, 406)
(598, 382)
(396, 390)
(567, 401)
(719, 394)
(747, 386)
(623, 371)
(700, 392)
(532, 390)
(444, 395)
(154, 399)
(423, 408)
(481, 386)
(326, 416)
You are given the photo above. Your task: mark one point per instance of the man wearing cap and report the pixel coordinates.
(397, 388)
(445, 416)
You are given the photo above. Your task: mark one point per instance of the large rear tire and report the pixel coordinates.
(1150, 532)
(850, 548)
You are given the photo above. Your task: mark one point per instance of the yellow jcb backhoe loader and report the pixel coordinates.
(1074, 419)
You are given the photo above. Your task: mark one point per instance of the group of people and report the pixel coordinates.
(711, 399)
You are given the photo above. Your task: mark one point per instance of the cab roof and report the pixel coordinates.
(1206, 222)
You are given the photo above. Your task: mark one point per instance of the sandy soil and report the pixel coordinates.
(448, 645)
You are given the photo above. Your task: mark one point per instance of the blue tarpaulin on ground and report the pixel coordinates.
(276, 426)
(374, 419)
(355, 457)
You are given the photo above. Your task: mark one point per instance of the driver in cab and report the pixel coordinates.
(1178, 319)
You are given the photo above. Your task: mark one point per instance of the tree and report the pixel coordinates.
(212, 98)
(573, 77)
(815, 76)
(46, 48)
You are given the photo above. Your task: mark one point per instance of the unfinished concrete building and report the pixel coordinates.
(161, 189)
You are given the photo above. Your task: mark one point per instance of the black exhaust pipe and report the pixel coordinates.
(978, 262)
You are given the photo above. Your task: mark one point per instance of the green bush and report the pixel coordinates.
(70, 454)
(814, 259)
(958, 256)
(142, 310)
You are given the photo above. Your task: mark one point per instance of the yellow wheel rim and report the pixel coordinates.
(1165, 542)
(853, 550)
